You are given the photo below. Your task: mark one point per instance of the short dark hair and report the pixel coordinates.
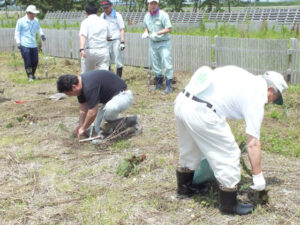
(65, 82)
(91, 8)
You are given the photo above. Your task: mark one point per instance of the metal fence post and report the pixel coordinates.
(214, 52)
(289, 71)
(292, 62)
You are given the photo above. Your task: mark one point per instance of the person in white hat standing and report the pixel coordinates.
(25, 36)
(157, 28)
(201, 110)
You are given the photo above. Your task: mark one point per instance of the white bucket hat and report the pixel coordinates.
(149, 1)
(32, 9)
(279, 82)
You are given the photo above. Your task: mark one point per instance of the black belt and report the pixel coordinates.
(187, 94)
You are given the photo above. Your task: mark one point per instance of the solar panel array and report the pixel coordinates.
(280, 16)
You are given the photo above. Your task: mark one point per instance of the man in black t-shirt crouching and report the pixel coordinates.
(93, 87)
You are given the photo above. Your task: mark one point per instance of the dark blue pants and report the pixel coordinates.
(31, 59)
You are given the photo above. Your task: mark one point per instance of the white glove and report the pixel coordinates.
(153, 35)
(259, 182)
(145, 35)
(122, 46)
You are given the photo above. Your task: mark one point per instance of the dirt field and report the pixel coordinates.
(47, 177)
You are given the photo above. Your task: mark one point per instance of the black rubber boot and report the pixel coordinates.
(29, 73)
(33, 72)
(230, 205)
(160, 80)
(185, 186)
(168, 87)
(119, 71)
(158, 83)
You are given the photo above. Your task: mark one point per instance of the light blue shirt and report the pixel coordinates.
(25, 32)
(158, 22)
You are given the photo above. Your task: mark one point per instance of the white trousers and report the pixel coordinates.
(112, 109)
(96, 59)
(116, 55)
(202, 133)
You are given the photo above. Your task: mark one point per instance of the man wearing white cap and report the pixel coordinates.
(25, 36)
(157, 28)
(201, 110)
(116, 42)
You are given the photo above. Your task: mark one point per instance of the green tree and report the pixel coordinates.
(210, 4)
(5, 5)
(197, 4)
(176, 5)
(57, 5)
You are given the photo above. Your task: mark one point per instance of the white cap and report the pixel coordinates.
(279, 82)
(200, 80)
(32, 9)
(149, 1)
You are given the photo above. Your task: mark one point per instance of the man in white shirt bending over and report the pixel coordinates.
(201, 110)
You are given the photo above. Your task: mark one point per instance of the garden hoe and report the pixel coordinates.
(149, 69)
(45, 60)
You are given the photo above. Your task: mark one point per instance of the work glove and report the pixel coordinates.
(259, 182)
(145, 35)
(122, 46)
(19, 46)
(43, 38)
(153, 35)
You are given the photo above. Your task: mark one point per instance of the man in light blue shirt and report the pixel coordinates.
(25, 36)
(157, 28)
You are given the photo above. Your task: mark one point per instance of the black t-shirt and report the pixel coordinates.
(100, 86)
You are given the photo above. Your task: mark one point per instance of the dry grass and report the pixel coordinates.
(47, 177)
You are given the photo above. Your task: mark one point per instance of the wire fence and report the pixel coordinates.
(188, 52)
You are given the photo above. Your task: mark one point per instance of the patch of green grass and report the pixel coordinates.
(209, 199)
(294, 89)
(287, 145)
(103, 168)
(62, 186)
(87, 172)
(120, 145)
(13, 140)
(9, 125)
(21, 78)
(161, 204)
(63, 127)
(275, 114)
(49, 169)
(15, 60)
(108, 209)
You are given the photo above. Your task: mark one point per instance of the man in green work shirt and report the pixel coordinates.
(157, 28)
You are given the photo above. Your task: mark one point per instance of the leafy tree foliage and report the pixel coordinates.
(56, 5)
(176, 5)
(210, 4)
(5, 4)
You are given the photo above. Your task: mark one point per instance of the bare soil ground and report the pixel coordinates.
(47, 177)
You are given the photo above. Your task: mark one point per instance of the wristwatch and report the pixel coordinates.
(81, 49)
